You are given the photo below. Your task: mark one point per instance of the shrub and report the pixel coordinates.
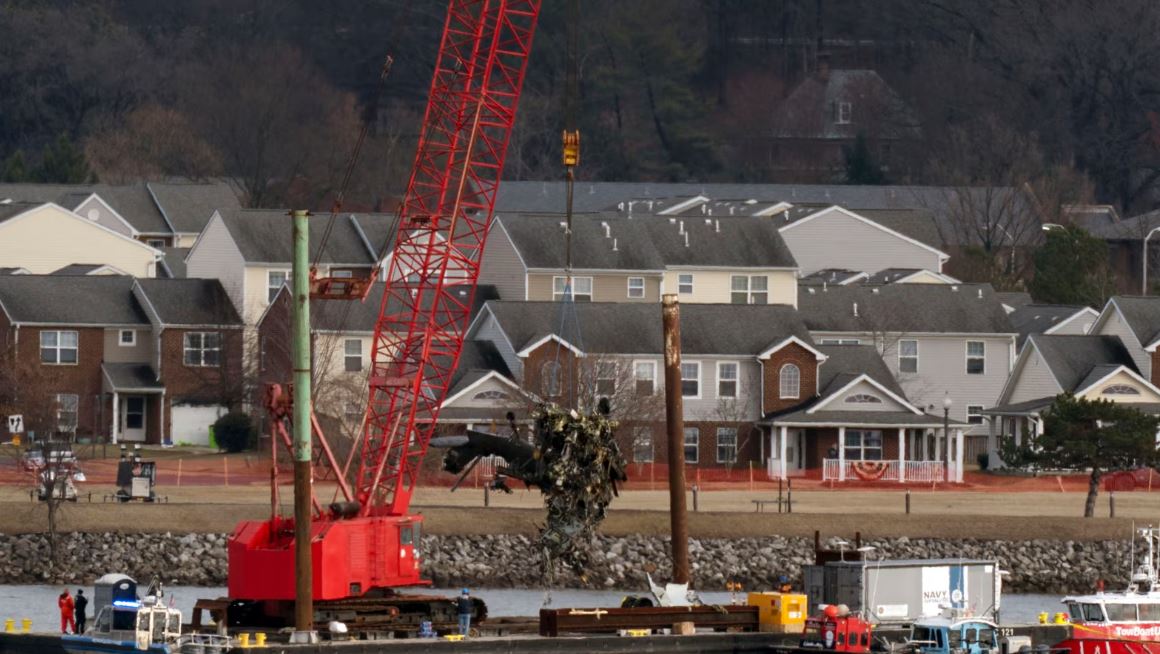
(234, 432)
(984, 460)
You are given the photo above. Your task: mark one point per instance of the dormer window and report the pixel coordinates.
(844, 111)
(863, 398)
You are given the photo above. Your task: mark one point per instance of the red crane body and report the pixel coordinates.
(371, 542)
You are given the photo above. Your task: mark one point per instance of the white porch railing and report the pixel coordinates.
(488, 464)
(914, 471)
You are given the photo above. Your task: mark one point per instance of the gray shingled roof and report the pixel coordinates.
(359, 316)
(647, 242)
(1014, 299)
(132, 201)
(476, 361)
(863, 418)
(265, 236)
(12, 271)
(88, 300)
(1072, 358)
(131, 376)
(190, 205)
(13, 209)
(635, 328)
(190, 301)
(810, 111)
(844, 363)
(1038, 318)
(904, 308)
(1128, 229)
(1142, 314)
(174, 261)
(831, 276)
(78, 269)
(889, 275)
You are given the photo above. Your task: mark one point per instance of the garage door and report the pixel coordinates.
(191, 423)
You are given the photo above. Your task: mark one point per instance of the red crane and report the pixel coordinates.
(369, 542)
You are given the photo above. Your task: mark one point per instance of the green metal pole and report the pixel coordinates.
(303, 482)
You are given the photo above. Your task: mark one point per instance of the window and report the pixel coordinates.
(726, 445)
(642, 446)
(749, 289)
(976, 356)
(975, 414)
(67, 407)
(155, 243)
(636, 287)
(581, 289)
(202, 349)
(690, 379)
(685, 283)
(1092, 613)
(840, 341)
(58, 348)
(844, 111)
(789, 382)
(1119, 389)
(605, 379)
(1121, 612)
(550, 379)
(1149, 612)
(863, 398)
(275, 280)
(352, 354)
(644, 373)
(692, 444)
(127, 338)
(726, 379)
(490, 395)
(863, 445)
(342, 274)
(907, 356)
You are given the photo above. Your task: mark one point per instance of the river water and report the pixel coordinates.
(39, 602)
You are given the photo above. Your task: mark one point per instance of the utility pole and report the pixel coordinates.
(303, 481)
(675, 423)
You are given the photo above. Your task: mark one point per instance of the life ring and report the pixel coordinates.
(870, 470)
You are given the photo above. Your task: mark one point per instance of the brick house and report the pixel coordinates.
(750, 375)
(112, 358)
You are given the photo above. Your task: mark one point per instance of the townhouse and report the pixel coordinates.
(1136, 320)
(45, 238)
(114, 358)
(756, 389)
(637, 259)
(942, 342)
(1051, 319)
(1091, 366)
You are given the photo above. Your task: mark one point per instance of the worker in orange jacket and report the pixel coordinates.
(67, 621)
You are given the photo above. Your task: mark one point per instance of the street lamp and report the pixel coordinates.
(947, 426)
(1144, 277)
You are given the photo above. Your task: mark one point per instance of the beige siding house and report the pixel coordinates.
(44, 238)
(837, 237)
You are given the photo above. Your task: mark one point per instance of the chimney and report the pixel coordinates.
(824, 66)
(855, 309)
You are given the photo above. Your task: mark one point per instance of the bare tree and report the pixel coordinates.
(155, 142)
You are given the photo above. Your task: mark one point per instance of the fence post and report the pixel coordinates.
(696, 491)
(179, 473)
(226, 469)
(907, 501)
(751, 476)
(1111, 504)
(789, 496)
(486, 495)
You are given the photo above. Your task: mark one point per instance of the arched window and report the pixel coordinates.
(490, 395)
(1120, 389)
(791, 381)
(550, 379)
(863, 398)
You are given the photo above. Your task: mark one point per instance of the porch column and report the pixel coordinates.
(1018, 430)
(925, 446)
(959, 456)
(783, 434)
(901, 455)
(116, 417)
(841, 454)
(992, 444)
(1038, 426)
(938, 439)
(161, 419)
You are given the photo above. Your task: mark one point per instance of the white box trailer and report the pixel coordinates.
(904, 590)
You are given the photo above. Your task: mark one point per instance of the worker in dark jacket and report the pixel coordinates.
(81, 603)
(465, 608)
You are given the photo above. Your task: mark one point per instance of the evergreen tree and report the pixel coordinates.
(63, 163)
(860, 165)
(15, 169)
(1098, 435)
(1071, 268)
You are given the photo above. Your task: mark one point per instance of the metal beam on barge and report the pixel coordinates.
(554, 622)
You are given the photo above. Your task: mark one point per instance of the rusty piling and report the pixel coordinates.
(675, 424)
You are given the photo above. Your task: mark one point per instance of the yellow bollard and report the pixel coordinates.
(1061, 618)
(26, 626)
(244, 640)
(1043, 617)
(261, 638)
(9, 626)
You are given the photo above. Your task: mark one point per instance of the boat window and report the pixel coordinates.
(159, 628)
(955, 636)
(1093, 613)
(922, 634)
(986, 635)
(174, 623)
(142, 621)
(102, 622)
(1121, 612)
(1150, 612)
(124, 620)
(1075, 612)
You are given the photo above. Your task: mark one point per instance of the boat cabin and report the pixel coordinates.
(131, 621)
(947, 635)
(1113, 608)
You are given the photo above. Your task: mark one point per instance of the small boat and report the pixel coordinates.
(1129, 615)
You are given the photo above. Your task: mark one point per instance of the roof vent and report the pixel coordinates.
(855, 309)
(874, 291)
(731, 208)
(825, 287)
(6, 201)
(810, 291)
(703, 210)
(751, 201)
(607, 228)
(954, 288)
(650, 205)
(686, 239)
(717, 225)
(681, 228)
(614, 245)
(591, 189)
(708, 221)
(620, 206)
(672, 221)
(980, 293)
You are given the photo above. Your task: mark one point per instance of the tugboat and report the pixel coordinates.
(1120, 622)
(125, 623)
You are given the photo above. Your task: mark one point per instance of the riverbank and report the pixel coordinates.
(509, 561)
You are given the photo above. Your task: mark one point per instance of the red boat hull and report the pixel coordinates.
(1137, 631)
(1107, 646)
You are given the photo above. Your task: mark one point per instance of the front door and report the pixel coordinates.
(133, 418)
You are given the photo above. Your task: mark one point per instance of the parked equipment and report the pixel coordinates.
(136, 479)
(836, 629)
(783, 613)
